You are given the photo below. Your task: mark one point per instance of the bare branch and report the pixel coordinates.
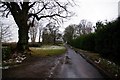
(64, 7)
(44, 6)
(38, 18)
(7, 14)
(32, 5)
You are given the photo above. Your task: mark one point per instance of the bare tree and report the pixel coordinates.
(69, 33)
(78, 29)
(33, 31)
(88, 28)
(52, 30)
(6, 34)
(45, 36)
(84, 27)
(23, 11)
(84, 24)
(40, 31)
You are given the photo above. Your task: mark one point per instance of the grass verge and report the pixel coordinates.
(112, 69)
(47, 50)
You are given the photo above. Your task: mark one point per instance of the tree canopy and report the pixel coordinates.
(23, 11)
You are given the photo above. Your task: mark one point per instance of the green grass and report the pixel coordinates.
(47, 50)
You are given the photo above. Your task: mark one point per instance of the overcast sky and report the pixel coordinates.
(94, 10)
(91, 10)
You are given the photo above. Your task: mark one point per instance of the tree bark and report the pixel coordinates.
(20, 15)
(22, 44)
(23, 38)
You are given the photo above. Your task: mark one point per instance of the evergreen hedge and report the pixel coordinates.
(105, 41)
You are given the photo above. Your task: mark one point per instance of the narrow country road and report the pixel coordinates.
(72, 66)
(77, 67)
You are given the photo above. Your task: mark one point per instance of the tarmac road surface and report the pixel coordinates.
(76, 66)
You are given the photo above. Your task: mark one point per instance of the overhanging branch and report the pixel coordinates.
(38, 18)
(32, 5)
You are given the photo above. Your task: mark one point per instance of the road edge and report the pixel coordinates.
(103, 73)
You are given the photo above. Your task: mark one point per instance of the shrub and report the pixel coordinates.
(108, 41)
(86, 42)
(36, 44)
(6, 52)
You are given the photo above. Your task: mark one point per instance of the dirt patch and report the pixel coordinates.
(32, 67)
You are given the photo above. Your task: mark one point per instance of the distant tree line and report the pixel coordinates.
(105, 40)
(73, 31)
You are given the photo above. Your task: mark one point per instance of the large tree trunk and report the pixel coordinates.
(20, 15)
(22, 44)
(23, 38)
